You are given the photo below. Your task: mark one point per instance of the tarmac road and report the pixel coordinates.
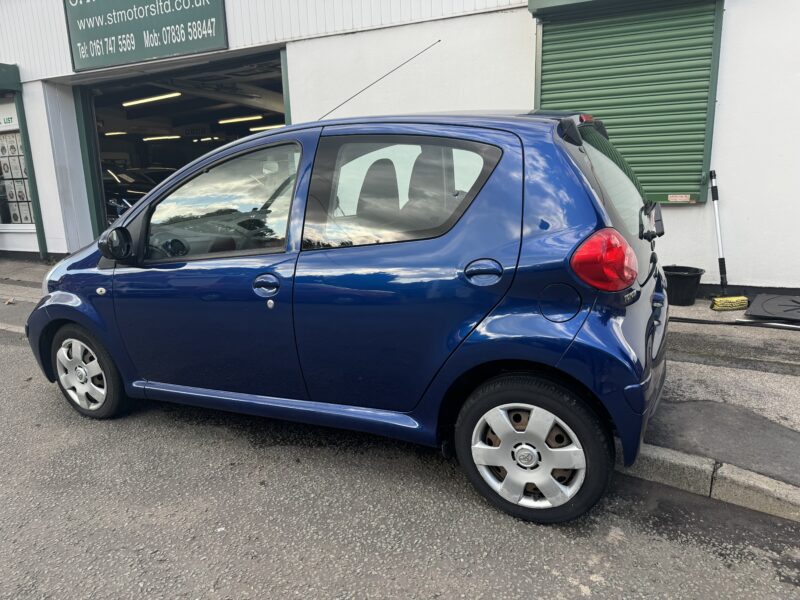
(177, 502)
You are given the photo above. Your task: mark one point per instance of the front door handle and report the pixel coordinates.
(266, 285)
(483, 272)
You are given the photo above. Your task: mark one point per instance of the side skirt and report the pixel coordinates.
(370, 420)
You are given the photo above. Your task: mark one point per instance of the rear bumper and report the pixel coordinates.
(649, 393)
(601, 359)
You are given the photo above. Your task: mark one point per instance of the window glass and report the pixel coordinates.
(379, 189)
(241, 205)
(466, 168)
(620, 186)
(15, 197)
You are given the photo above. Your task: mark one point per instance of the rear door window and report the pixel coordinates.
(380, 189)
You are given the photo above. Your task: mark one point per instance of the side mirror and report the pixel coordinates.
(116, 244)
(658, 222)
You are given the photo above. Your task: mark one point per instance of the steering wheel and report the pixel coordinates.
(156, 252)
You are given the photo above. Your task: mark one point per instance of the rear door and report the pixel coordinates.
(411, 237)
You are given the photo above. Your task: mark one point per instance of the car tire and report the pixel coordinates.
(549, 467)
(86, 374)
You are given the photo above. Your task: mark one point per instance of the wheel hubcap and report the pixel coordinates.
(80, 374)
(528, 455)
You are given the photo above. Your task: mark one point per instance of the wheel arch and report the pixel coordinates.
(467, 382)
(46, 342)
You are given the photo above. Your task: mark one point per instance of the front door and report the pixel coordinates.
(409, 241)
(209, 304)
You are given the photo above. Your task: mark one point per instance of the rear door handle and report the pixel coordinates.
(483, 272)
(266, 285)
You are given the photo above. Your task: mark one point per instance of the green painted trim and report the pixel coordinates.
(537, 76)
(712, 97)
(543, 6)
(9, 78)
(90, 157)
(287, 105)
(32, 187)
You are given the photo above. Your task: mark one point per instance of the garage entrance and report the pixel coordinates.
(148, 127)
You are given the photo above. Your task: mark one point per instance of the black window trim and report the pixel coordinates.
(446, 227)
(142, 262)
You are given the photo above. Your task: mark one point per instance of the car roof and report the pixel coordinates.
(512, 120)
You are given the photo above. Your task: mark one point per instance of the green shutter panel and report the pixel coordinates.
(647, 69)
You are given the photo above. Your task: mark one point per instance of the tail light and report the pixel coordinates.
(605, 261)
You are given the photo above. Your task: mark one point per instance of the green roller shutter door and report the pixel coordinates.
(648, 70)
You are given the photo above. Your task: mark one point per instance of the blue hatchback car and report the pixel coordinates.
(483, 283)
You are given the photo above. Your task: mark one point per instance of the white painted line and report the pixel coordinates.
(11, 328)
(19, 293)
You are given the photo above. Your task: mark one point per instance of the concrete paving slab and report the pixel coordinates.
(770, 395)
(728, 434)
(701, 310)
(754, 348)
(751, 490)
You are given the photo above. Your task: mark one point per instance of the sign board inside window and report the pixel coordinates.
(15, 202)
(105, 33)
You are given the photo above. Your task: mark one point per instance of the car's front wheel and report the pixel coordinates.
(86, 374)
(533, 448)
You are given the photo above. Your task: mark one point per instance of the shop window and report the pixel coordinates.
(15, 198)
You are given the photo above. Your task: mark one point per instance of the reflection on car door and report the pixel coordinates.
(409, 241)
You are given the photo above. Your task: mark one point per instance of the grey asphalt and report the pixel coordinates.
(178, 502)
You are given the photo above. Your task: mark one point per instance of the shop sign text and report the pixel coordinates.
(105, 33)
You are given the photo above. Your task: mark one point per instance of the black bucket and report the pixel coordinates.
(682, 284)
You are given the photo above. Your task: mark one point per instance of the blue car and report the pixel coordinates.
(486, 284)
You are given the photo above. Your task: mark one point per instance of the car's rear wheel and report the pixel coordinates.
(534, 449)
(86, 374)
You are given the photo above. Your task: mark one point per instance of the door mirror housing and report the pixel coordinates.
(658, 221)
(116, 244)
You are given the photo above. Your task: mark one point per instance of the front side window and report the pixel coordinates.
(380, 189)
(240, 206)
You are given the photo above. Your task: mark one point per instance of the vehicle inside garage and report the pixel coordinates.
(148, 127)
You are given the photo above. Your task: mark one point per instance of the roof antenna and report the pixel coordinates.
(364, 89)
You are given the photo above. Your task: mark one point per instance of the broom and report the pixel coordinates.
(723, 301)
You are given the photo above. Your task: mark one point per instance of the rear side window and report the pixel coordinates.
(621, 190)
(380, 189)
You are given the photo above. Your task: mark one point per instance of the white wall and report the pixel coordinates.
(33, 33)
(54, 147)
(755, 152)
(483, 61)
